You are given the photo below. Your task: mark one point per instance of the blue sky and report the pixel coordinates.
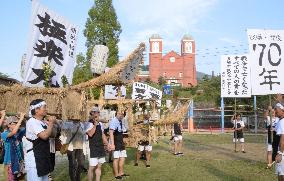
(218, 26)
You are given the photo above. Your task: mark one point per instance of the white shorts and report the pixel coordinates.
(279, 167)
(269, 147)
(178, 137)
(119, 154)
(146, 148)
(242, 140)
(95, 161)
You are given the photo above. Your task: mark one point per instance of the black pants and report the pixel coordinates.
(76, 163)
(52, 159)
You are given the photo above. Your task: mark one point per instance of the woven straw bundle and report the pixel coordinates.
(70, 102)
(173, 117)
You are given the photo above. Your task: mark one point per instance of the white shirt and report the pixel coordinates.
(90, 125)
(33, 128)
(280, 127)
(274, 121)
(68, 129)
(238, 122)
(115, 124)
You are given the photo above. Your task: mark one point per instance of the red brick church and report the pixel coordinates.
(174, 67)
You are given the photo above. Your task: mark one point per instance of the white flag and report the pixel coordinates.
(266, 49)
(235, 76)
(52, 42)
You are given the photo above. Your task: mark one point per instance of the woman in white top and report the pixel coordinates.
(37, 160)
(270, 125)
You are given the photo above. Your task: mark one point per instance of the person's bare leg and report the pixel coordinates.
(6, 172)
(91, 173)
(138, 155)
(269, 158)
(180, 146)
(98, 172)
(243, 146)
(176, 147)
(280, 177)
(121, 165)
(115, 167)
(148, 157)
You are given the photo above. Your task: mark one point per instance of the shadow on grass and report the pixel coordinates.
(221, 174)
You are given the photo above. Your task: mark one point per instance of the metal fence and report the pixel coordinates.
(210, 119)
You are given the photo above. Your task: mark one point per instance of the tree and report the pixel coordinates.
(82, 71)
(3, 75)
(162, 81)
(102, 27)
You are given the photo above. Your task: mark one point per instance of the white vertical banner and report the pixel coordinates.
(52, 42)
(266, 49)
(235, 76)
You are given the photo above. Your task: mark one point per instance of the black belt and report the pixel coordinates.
(29, 141)
(29, 150)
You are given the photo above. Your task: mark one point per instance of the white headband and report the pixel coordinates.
(32, 107)
(280, 106)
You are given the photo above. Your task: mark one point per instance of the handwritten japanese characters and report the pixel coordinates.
(132, 68)
(99, 59)
(266, 49)
(52, 43)
(144, 92)
(235, 76)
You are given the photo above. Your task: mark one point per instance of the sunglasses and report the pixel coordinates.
(95, 112)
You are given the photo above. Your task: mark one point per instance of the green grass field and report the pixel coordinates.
(206, 157)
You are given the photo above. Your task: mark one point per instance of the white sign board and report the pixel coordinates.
(144, 91)
(52, 42)
(99, 59)
(235, 76)
(111, 91)
(267, 60)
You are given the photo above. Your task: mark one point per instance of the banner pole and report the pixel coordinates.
(255, 114)
(270, 132)
(222, 115)
(235, 124)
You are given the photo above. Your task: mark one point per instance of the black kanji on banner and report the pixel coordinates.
(40, 75)
(155, 96)
(50, 50)
(51, 28)
(268, 77)
(267, 74)
(140, 93)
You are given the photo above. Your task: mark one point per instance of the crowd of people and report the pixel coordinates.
(29, 143)
(274, 122)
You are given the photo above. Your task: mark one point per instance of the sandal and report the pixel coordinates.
(125, 175)
(118, 178)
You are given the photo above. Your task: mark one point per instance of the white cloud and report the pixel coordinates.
(170, 19)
